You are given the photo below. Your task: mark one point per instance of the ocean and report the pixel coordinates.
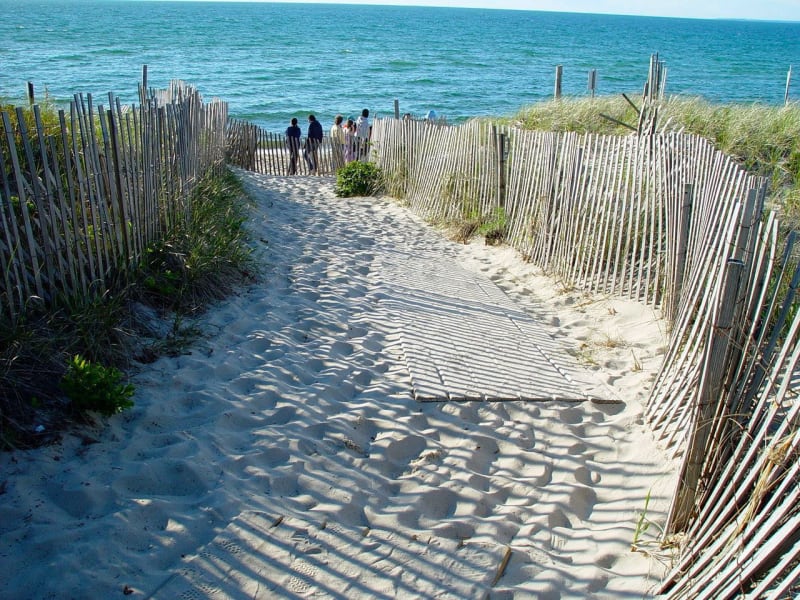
(273, 61)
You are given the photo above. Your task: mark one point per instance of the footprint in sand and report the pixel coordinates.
(403, 449)
(284, 484)
(365, 426)
(557, 518)
(479, 482)
(356, 332)
(485, 453)
(263, 399)
(454, 530)
(227, 371)
(341, 349)
(82, 500)
(350, 514)
(317, 365)
(164, 478)
(524, 436)
(598, 417)
(582, 501)
(438, 504)
(281, 416)
(585, 476)
(237, 421)
(467, 412)
(242, 386)
(572, 416)
(272, 457)
(356, 291)
(577, 449)
(610, 408)
(305, 375)
(309, 294)
(362, 377)
(606, 561)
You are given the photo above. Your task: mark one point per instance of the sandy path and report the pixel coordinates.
(286, 456)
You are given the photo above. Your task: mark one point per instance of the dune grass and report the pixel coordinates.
(764, 139)
(194, 265)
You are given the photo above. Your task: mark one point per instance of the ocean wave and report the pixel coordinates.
(403, 64)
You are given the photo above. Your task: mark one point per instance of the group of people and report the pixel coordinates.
(349, 141)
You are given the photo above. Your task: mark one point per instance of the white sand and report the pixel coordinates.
(286, 457)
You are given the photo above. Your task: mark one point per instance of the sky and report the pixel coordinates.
(774, 10)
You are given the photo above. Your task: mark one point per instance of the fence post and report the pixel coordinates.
(593, 81)
(501, 170)
(708, 400)
(557, 91)
(683, 243)
(788, 83)
(31, 97)
(115, 150)
(397, 109)
(143, 93)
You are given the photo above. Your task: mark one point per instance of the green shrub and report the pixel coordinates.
(94, 387)
(200, 260)
(494, 227)
(358, 179)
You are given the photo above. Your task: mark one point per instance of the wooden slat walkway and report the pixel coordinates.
(464, 339)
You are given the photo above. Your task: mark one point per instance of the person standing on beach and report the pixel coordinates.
(337, 142)
(363, 133)
(313, 142)
(293, 134)
(349, 141)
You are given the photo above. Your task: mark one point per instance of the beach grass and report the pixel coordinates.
(765, 139)
(195, 264)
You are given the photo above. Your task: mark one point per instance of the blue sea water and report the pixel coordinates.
(272, 61)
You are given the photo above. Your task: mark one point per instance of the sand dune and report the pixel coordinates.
(288, 456)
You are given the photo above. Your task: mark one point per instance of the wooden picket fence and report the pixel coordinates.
(80, 204)
(255, 149)
(668, 220)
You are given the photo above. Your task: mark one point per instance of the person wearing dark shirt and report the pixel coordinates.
(293, 134)
(313, 142)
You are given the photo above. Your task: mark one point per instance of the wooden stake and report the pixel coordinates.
(788, 83)
(503, 564)
(710, 395)
(557, 90)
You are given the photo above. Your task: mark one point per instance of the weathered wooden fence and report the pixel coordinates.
(81, 201)
(255, 149)
(667, 220)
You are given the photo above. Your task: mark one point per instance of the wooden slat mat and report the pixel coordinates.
(465, 339)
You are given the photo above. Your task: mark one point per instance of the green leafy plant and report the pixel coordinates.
(495, 227)
(358, 179)
(91, 386)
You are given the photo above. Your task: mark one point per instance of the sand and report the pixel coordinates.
(286, 456)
